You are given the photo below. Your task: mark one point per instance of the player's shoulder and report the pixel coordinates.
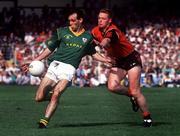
(88, 34)
(112, 27)
(95, 29)
(61, 29)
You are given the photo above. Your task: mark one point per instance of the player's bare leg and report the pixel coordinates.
(134, 87)
(115, 76)
(45, 85)
(51, 108)
(114, 86)
(135, 90)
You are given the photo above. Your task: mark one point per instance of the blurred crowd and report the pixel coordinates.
(22, 36)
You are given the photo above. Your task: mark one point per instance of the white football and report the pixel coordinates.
(36, 68)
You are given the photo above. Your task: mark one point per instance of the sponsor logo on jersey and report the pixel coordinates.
(74, 45)
(68, 36)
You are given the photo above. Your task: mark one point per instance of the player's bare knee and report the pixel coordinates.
(39, 98)
(111, 87)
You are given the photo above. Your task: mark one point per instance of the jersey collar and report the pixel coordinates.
(77, 33)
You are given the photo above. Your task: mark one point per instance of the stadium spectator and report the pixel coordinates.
(1, 76)
(2, 61)
(157, 38)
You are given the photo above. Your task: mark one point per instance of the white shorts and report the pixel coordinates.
(59, 70)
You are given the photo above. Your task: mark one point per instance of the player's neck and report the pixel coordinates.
(78, 30)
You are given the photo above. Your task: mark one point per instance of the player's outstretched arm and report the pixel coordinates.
(44, 54)
(105, 43)
(104, 59)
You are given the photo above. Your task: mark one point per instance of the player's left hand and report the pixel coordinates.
(96, 41)
(25, 66)
(110, 61)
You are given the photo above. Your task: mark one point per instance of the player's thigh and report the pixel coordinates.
(115, 76)
(60, 87)
(46, 84)
(134, 76)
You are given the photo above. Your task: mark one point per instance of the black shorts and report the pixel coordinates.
(130, 61)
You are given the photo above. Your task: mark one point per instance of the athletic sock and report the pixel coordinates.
(146, 115)
(44, 121)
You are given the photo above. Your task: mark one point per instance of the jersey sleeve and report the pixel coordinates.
(93, 34)
(91, 47)
(54, 41)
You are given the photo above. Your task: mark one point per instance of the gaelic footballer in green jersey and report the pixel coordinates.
(67, 47)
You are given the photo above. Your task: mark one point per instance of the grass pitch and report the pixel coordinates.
(88, 112)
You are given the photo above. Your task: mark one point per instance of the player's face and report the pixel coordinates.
(103, 20)
(74, 23)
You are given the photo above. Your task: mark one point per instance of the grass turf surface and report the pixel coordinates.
(88, 112)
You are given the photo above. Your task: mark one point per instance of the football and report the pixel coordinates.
(36, 68)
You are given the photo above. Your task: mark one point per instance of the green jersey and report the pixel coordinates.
(70, 47)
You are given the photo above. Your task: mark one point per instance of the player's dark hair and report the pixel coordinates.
(107, 11)
(79, 13)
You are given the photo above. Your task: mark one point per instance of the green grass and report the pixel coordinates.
(88, 112)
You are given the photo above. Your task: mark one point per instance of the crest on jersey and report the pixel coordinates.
(84, 40)
(68, 36)
(49, 42)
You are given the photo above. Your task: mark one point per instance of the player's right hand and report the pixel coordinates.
(25, 68)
